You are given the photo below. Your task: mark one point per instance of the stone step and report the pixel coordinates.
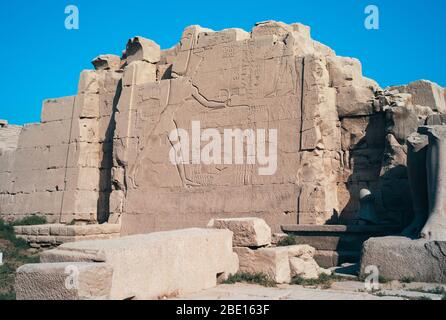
(337, 244)
(337, 237)
(329, 259)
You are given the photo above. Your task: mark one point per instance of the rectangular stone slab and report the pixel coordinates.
(153, 265)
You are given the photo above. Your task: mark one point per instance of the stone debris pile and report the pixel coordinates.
(252, 243)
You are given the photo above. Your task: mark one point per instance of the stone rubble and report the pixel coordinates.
(280, 264)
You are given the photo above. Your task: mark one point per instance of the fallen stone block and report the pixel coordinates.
(157, 264)
(273, 262)
(305, 268)
(248, 232)
(398, 257)
(64, 281)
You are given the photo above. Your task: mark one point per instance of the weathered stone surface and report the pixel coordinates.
(57, 109)
(107, 62)
(273, 262)
(64, 281)
(399, 257)
(337, 133)
(425, 93)
(302, 262)
(426, 164)
(306, 268)
(9, 137)
(157, 264)
(142, 49)
(280, 263)
(248, 232)
(52, 235)
(301, 250)
(138, 73)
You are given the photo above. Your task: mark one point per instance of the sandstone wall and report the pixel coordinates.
(274, 77)
(61, 166)
(104, 154)
(9, 136)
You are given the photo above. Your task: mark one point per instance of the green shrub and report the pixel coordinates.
(437, 290)
(15, 254)
(383, 279)
(7, 233)
(30, 221)
(253, 278)
(407, 280)
(287, 241)
(324, 280)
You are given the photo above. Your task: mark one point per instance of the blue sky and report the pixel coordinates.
(41, 59)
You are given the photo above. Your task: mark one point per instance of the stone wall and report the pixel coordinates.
(104, 154)
(52, 235)
(274, 77)
(9, 136)
(61, 167)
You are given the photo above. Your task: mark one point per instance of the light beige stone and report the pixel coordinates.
(425, 93)
(273, 262)
(248, 232)
(139, 48)
(138, 73)
(57, 109)
(152, 265)
(305, 268)
(107, 62)
(300, 250)
(338, 132)
(64, 281)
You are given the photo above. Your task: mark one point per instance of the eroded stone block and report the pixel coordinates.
(397, 258)
(248, 232)
(273, 262)
(64, 281)
(152, 265)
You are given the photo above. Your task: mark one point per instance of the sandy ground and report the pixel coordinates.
(346, 290)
